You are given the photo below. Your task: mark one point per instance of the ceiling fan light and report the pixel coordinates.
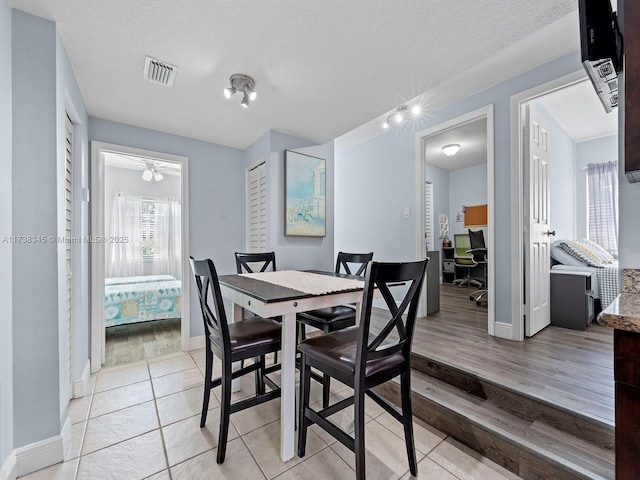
(157, 176)
(147, 175)
(451, 149)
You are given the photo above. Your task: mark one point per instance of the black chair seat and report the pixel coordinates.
(338, 350)
(331, 318)
(254, 333)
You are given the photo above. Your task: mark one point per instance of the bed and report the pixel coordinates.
(141, 299)
(583, 255)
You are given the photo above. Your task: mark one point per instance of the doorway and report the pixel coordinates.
(570, 112)
(451, 190)
(139, 243)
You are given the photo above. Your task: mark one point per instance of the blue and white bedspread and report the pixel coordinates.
(132, 300)
(608, 281)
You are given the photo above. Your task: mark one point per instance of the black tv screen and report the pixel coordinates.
(601, 48)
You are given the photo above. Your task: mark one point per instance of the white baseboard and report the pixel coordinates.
(9, 469)
(503, 330)
(42, 454)
(196, 343)
(80, 386)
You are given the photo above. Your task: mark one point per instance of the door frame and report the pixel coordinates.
(518, 102)
(98, 250)
(420, 155)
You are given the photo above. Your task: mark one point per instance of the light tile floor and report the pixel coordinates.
(142, 422)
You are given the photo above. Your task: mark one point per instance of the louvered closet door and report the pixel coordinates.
(428, 216)
(68, 200)
(257, 201)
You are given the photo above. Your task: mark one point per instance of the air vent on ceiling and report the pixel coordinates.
(159, 72)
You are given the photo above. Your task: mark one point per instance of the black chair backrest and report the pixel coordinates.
(215, 321)
(263, 261)
(476, 239)
(374, 345)
(358, 261)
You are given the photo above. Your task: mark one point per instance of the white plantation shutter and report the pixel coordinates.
(257, 202)
(68, 201)
(428, 216)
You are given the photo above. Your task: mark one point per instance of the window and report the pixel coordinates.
(602, 205)
(148, 227)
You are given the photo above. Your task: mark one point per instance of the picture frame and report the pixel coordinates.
(305, 195)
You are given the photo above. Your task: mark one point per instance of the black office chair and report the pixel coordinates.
(479, 252)
(332, 319)
(238, 341)
(256, 262)
(363, 357)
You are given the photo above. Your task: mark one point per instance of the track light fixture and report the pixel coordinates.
(241, 83)
(399, 114)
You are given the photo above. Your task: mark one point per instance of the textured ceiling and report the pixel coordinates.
(472, 138)
(322, 68)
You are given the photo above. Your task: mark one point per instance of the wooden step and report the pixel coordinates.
(520, 401)
(529, 448)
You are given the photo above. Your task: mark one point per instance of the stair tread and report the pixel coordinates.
(525, 390)
(565, 450)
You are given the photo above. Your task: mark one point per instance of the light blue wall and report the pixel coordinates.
(216, 193)
(6, 279)
(385, 167)
(599, 150)
(467, 186)
(562, 178)
(35, 269)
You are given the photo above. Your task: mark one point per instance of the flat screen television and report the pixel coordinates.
(601, 48)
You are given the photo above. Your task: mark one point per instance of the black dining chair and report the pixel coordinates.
(365, 356)
(332, 319)
(257, 262)
(251, 338)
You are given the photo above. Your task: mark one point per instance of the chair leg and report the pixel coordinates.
(326, 390)
(359, 445)
(207, 387)
(305, 388)
(407, 420)
(225, 412)
(260, 375)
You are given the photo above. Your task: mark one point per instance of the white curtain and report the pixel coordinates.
(602, 182)
(124, 259)
(167, 237)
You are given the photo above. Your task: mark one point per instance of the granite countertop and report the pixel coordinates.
(623, 313)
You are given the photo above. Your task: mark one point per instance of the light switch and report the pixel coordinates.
(407, 212)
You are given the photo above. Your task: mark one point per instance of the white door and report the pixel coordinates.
(536, 222)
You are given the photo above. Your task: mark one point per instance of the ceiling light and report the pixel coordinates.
(157, 176)
(451, 149)
(399, 114)
(147, 175)
(241, 83)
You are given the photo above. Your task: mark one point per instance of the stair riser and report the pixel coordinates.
(523, 463)
(519, 405)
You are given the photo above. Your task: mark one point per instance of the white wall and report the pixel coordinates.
(6, 230)
(385, 167)
(599, 150)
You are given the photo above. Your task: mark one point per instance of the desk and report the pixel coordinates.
(270, 300)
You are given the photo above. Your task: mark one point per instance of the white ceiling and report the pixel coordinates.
(321, 68)
(579, 112)
(472, 138)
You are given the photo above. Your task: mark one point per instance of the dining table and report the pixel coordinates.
(285, 293)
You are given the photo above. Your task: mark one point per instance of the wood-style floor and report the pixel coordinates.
(569, 368)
